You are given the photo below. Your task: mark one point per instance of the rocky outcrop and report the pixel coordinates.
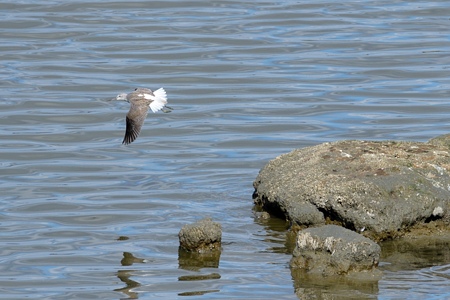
(380, 189)
(334, 250)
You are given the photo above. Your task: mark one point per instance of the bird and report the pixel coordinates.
(141, 100)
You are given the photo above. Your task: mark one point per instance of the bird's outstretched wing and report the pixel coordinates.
(135, 118)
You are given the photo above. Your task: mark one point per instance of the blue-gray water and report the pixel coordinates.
(248, 80)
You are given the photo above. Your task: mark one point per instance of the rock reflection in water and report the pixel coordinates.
(194, 261)
(307, 286)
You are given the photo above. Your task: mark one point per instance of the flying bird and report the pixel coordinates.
(141, 100)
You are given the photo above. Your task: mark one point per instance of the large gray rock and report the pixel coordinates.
(334, 250)
(381, 189)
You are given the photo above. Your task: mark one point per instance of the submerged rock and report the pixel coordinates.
(334, 250)
(201, 236)
(380, 189)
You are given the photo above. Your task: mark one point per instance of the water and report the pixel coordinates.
(83, 217)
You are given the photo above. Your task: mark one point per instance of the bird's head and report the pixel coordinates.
(122, 97)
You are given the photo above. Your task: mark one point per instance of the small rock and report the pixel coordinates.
(201, 236)
(334, 250)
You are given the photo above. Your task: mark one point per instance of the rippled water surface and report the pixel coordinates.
(84, 217)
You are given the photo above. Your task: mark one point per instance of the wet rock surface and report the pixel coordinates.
(201, 237)
(380, 189)
(334, 250)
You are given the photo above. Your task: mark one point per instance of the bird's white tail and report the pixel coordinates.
(159, 101)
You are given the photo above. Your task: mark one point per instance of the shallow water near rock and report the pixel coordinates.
(83, 217)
